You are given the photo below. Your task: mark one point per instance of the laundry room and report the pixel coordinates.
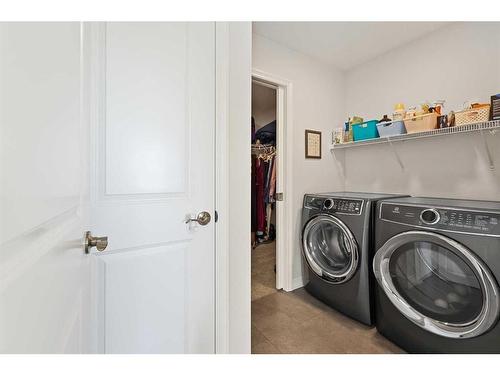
(266, 186)
(386, 128)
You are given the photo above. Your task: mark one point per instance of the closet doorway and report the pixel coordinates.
(271, 262)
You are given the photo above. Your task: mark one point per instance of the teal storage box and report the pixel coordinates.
(365, 130)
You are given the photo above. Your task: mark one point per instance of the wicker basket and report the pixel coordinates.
(421, 123)
(472, 116)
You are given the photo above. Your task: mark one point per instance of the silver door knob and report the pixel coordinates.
(100, 243)
(203, 218)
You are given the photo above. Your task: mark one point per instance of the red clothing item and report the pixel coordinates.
(259, 185)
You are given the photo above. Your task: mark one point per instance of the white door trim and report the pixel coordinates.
(284, 234)
(232, 193)
(222, 187)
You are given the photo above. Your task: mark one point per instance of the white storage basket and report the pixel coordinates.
(473, 115)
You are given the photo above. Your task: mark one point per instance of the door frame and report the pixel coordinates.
(232, 193)
(233, 82)
(284, 234)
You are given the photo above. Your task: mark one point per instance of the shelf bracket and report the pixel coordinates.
(396, 155)
(487, 150)
(339, 163)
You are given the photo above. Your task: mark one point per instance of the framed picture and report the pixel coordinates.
(313, 144)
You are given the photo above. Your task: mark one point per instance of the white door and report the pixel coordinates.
(44, 273)
(152, 124)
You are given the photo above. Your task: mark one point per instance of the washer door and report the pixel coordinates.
(330, 249)
(438, 284)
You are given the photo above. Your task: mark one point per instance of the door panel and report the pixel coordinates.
(146, 140)
(153, 107)
(137, 277)
(44, 273)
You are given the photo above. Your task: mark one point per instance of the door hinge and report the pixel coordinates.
(216, 216)
(278, 197)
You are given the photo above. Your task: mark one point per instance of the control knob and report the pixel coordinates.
(328, 203)
(429, 216)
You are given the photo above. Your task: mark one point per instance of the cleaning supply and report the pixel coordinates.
(384, 119)
(424, 108)
(356, 120)
(347, 128)
(338, 136)
(412, 112)
(439, 107)
(349, 136)
(495, 107)
(346, 134)
(399, 112)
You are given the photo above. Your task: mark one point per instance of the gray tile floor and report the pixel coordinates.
(296, 322)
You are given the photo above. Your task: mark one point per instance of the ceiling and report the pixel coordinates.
(344, 45)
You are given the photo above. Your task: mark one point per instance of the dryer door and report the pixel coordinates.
(438, 284)
(330, 249)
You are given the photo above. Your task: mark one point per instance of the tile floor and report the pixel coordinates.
(296, 322)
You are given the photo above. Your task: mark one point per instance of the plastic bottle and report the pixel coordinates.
(384, 119)
(399, 112)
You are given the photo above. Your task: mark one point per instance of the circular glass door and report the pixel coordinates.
(330, 249)
(438, 284)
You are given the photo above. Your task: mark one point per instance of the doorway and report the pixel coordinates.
(263, 187)
(271, 98)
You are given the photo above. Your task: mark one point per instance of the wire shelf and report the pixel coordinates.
(492, 126)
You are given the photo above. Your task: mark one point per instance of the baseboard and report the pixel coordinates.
(297, 282)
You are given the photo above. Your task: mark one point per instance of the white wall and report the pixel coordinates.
(456, 63)
(318, 104)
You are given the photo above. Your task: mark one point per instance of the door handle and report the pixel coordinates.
(100, 243)
(203, 218)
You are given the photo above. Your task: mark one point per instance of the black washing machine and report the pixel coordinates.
(437, 268)
(337, 244)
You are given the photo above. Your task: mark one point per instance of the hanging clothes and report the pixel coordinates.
(263, 189)
(263, 179)
(269, 166)
(254, 195)
(272, 189)
(267, 134)
(259, 186)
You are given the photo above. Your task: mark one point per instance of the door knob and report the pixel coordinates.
(100, 243)
(203, 218)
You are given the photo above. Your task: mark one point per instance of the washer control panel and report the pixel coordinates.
(334, 205)
(449, 219)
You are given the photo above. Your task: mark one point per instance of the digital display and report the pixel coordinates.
(349, 206)
(334, 205)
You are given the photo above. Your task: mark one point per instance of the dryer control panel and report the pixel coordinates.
(335, 205)
(449, 219)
